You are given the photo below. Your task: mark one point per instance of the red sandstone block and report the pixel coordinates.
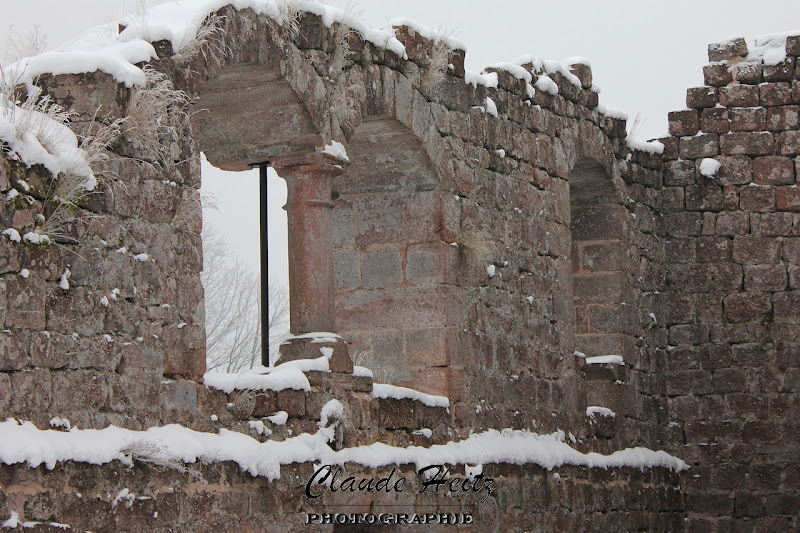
(712, 249)
(680, 172)
(739, 96)
(717, 74)
(747, 143)
(788, 198)
(683, 123)
(791, 250)
(704, 145)
(730, 224)
(714, 120)
(796, 92)
(793, 45)
(783, 118)
(748, 118)
(773, 170)
(783, 71)
(706, 197)
(727, 49)
(772, 224)
(746, 307)
(735, 170)
(5, 392)
(772, 94)
(754, 249)
(748, 72)
(787, 306)
(789, 142)
(765, 278)
(701, 97)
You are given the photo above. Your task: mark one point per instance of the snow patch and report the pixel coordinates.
(650, 147)
(593, 410)
(12, 234)
(709, 167)
(35, 237)
(491, 107)
(605, 360)
(337, 150)
(279, 418)
(382, 390)
(491, 270)
(63, 281)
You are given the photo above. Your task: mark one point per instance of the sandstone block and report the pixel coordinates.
(775, 94)
(77, 390)
(757, 198)
(765, 278)
(26, 303)
(679, 172)
(717, 74)
(5, 394)
(788, 198)
(789, 142)
(712, 249)
(735, 170)
(783, 71)
(747, 143)
(431, 263)
(791, 250)
(739, 96)
(793, 45)
(705, 197)
(753, 249)
(701, 97)
(772, 224)
(787, 307)
(773, 170)
(31, 391)
(347, 273)
(683, 123)
(714, 120)
(746, 307)
(748, 72)
(729, 49)
(732, 223)
(704, 145)
(783, 118)
(381, 267)
(748, 118)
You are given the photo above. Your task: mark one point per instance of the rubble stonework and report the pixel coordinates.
(490, 236)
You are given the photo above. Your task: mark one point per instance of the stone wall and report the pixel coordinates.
(486, 239)
(731, 256)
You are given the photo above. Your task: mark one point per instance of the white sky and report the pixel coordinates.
(644, 55)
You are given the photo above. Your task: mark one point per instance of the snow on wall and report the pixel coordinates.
(24, 443)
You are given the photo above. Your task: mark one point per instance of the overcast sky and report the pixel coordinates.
(644, 55)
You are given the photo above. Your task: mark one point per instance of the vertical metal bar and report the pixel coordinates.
(264, 265)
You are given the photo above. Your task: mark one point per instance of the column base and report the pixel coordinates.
(312, 346)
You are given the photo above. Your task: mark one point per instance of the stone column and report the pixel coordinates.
(311, 279)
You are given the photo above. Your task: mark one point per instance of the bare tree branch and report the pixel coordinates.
(233, 309)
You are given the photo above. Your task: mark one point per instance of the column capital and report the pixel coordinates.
(319, 163)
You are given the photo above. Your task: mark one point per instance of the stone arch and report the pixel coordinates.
(394, 269)
(267, 101)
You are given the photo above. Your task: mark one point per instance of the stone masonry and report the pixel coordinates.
(484, 256)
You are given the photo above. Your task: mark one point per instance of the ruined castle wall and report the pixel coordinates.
(96, 319)
(731, 255)
(453, 251)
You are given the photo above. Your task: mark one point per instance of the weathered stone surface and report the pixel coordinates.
(470, 255)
